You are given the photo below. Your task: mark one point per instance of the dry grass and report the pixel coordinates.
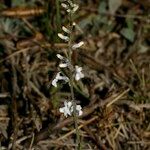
(115, 93)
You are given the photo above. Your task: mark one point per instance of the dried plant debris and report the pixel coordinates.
(112, 88)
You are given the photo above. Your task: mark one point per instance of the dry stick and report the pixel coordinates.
(29, 25)
(118, 97)
(48, 45)
(73, 131)
(32, 141)
(14, 54)
(19, 141)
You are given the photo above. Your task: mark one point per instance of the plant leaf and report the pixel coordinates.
(128, 33)
(102, 7)
(114, 5)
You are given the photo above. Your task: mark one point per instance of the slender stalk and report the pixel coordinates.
(75, 115)
(71, 82)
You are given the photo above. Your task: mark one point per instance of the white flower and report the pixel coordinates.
(59, 77)
(68, 109)
(75, 8)
(79, 109)
(66, 30)
(63, 65)
(63, 37)
(64, 5)
(72, 8)
(74, 24)
(68, 10)
(75, 46)
(65, 61)
(60, 57)
(54, 82)
(78, 73)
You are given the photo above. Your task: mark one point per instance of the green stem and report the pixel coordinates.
(71, 83)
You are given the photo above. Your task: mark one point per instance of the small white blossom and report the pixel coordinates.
(64, 5)
(78, 73)
(75, 8)
(63, 37)
(79, 109)
(60, 57)
(63, 65)
(75, 46)
(59, 77)
(54, 82)
(70, 2)
(65, 61)
(72, 8)
(68, 109)
(66, 30)
(74, 24)
(68, 10)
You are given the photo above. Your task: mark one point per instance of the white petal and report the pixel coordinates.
(66, 79)
(74, 24)
(64, 5)
(78, 69)
(63, 65)
(75, 46)
(69, 104)
(54, 82)
(80, 112)
(79, 109)
(68, 10)
(66, 30)
(60, 57)
(75, 8)
(63, 37)
(78, 73)
(61, 110)
(77, 77)
(70, 2)
(59, 77)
